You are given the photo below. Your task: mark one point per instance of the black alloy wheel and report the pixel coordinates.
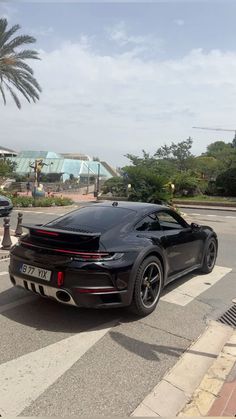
(148, 286)
(210, 256)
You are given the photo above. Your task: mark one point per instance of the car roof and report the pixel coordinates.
(139, 207)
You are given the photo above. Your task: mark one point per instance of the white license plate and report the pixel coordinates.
(39, 273)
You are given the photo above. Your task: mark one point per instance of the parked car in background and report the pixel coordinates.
(6, 206)
(111, 255)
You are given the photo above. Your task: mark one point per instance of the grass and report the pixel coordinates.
(206, 198)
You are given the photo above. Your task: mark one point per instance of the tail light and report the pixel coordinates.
(80, 256)
(91, 256)
(60, 278)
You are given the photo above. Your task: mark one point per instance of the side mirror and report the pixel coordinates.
(195, 226)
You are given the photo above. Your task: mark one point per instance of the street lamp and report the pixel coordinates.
(98, 179)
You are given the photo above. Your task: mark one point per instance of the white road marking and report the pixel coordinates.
(4, 273)
(15, 304)
(24, 379)
(195, 286)
(193, 213)
(229, 216)
(210, 215)
(39, 212)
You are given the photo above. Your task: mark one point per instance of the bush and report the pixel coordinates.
(146, 186)
(116, 186)
(226, 182)
(186, 184)
(28, 201)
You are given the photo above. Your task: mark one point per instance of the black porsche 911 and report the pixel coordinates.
(111, 255)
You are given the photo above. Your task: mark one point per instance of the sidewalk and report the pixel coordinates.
(202, 382)
(216, 394)
(225, 404)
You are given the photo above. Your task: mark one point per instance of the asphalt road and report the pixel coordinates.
(59, 360)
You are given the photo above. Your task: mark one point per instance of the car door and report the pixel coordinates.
(183, 244)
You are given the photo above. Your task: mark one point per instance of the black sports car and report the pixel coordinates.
(111, 255)
(5, 206)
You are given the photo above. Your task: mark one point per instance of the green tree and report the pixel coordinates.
(6, 167)
(186, 183)
(177, 153)
(207, 167)
(115, 185)
(146, 186)
(226, 182)
(162, 167)
(15, 73)
(225, 154)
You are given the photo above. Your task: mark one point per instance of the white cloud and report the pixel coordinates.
(119, 34)
(179, 22)
(110, 105)
(8, 11)
(41, 31)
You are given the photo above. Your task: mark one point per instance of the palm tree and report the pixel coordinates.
(15, 74)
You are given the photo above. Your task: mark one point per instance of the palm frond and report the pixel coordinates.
(32, 92)
(3, 25)
(21, 64)
(15, 74)
(3, 94)
(27, 54)
(21, 89)
(16, 100)
(17, 42)
(5, 35)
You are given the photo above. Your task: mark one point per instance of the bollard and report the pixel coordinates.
(6, 241)
(19, 229)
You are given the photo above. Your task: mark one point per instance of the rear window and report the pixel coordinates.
(93, 219)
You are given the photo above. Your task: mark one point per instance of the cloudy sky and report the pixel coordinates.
(121, 77)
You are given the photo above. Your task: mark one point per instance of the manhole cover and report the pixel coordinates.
(229, 317)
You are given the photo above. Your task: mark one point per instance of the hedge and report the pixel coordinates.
(28, 201)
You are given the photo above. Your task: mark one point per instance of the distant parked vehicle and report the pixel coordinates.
(6, 206)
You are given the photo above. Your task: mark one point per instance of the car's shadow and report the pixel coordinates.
(45, 314)
(48, 315)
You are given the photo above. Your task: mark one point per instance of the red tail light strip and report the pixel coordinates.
(47, 233)
(84, 255)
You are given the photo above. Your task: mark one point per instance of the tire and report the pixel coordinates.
(209, 256)
(147, 286)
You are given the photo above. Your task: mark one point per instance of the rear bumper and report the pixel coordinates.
(86, 284)
(73, 297)
(43, 290)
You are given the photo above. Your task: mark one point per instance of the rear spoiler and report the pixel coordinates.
(39, 228)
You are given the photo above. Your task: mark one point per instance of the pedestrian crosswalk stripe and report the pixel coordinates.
(193, 287)
(24, 379)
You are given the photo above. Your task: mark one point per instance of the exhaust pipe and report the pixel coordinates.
(63, 296)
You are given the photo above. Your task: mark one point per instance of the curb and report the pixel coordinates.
(207, 207)
(175, 390)
(204, 397)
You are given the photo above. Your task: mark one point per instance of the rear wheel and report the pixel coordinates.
(210, 256)
(147, 287)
